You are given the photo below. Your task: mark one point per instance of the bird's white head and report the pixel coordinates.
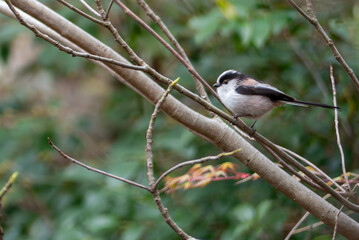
(228, 80)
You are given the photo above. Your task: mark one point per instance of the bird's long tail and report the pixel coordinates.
(306, 104)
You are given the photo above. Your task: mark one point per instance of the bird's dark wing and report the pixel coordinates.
(264, 90)
(276, 95)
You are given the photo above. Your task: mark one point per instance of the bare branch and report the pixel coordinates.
(149, 139)
(3, 191)
(314, 167)
(191, 162)
(108, 10)
(292, 231)
(336, 222)
(68, 50)
(265, 143)
(149, 160)
(75, 9)
(164, 43)
(293, 171)
(95, 169)
(174, 41)
(314, 21)
(336, 124)
(90, 8)
(295, 231)
(8, 185)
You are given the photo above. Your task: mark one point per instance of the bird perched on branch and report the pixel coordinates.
(250, 98)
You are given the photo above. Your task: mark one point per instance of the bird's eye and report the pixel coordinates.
(225, 81)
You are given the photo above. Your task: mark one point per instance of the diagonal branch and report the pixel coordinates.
(293, 171)
(69, 50)
(174, 41)
(8, 185)
(310, 17)
(82, 13)
(65, 156)
(164, 43)
(90, 8)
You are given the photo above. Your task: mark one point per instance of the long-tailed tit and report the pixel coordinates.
(250, 98)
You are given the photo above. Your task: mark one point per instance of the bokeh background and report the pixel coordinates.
(95, 119)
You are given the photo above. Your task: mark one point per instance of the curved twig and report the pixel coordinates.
(65, 156)
(149, 160)
(192, 162)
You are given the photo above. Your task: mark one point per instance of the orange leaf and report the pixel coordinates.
(187, 185)
(227, 165)
(195, 167)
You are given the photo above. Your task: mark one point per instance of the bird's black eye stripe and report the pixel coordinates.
(231, 75)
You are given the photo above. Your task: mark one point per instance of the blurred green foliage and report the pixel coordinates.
(46, 93)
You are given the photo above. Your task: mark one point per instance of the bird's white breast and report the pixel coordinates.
(250, 106)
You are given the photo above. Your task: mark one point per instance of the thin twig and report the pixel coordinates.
(306, 161)
(265, 143)
(68, 50)
(294, 229)
(317, 224)
(149, 161)
(150, 13)
(314, 21)
(90, 8)
(301, 220)
(149, 139)
(293, 171)
(107, 23)
(8, 185)
(108, 10)
(164, 43)
(336, 124)
(191, 162)
(336, 222)
(3, 191)
(174, 41)
(65, 156)
(82, 13)
(297, 225)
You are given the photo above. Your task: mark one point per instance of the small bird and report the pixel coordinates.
(250, 98)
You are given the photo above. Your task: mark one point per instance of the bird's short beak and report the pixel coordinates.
(216, 85)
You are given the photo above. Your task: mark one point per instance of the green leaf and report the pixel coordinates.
(262, 209)
(102, 223)
(245, 30)
(133, 232)
(244, 213)
(206, 26)
(261, 31)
